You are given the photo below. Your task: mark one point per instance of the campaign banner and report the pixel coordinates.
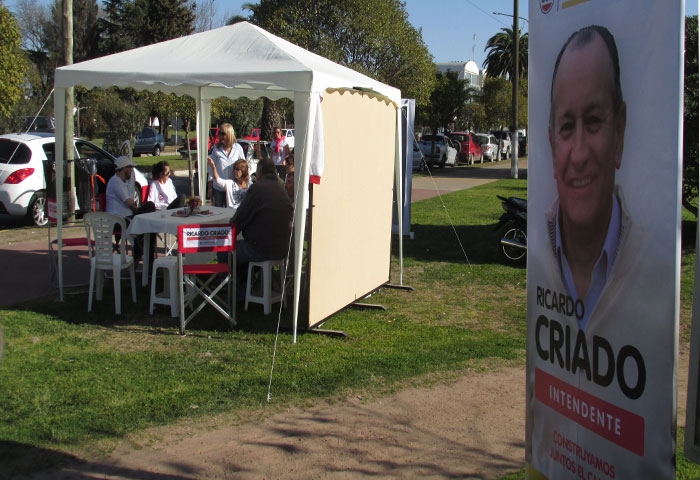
(605, 85)
(51, 209)
(206, 238)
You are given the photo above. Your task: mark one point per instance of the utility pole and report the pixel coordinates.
(516, 62)
(68, 148)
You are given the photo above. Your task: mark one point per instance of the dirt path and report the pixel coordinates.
(471, 428)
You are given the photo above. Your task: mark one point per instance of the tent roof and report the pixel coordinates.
(233, 61)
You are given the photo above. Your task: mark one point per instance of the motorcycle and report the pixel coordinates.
(513, 225)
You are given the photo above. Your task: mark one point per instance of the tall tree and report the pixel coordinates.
(43, 37)
(134, 23)
(501, 50)
(447, 100)
(690, 117)
(371, 36)
(13, 63)
(497, 101)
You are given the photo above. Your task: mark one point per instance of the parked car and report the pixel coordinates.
(254, 134)
(489, 146)
(39, 124)
(505, 144)
(469, 149)
(23, 158)
(438, 150)
(211, 141)
(251, 156)
(148, 142)
(289, 136)
(249, 149)
(522, 145)
(418, 158)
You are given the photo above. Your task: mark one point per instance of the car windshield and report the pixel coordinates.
(14, 153)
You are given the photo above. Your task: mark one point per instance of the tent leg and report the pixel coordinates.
(330, 333)
(408, 288)
(368, 306)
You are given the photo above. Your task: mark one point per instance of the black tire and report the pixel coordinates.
(36, 213)
(514, 255)
(156, 151)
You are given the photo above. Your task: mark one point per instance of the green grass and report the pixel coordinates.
(77, 381)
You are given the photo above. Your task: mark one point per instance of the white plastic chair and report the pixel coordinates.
(99, 228)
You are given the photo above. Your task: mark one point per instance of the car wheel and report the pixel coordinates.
(37, 210)
(156, 151)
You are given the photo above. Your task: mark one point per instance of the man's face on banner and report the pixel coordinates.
(586, 137)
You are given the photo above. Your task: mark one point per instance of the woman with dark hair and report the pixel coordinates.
(236, 187)
(162, 191)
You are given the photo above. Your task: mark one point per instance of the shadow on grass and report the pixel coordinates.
(136, 318)
(439, 243)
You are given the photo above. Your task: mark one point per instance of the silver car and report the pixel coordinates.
(149, 142)
(489, 144)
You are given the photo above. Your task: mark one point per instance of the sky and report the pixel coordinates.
(453, 30)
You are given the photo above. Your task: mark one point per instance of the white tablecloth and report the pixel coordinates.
(167, 221)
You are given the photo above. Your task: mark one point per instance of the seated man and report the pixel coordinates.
(263, 218)
(121, 200)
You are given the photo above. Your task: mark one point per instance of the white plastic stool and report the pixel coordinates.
(168, 296)
(268, 296)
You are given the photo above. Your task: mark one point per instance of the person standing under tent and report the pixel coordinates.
(224, 154)
(280, 152)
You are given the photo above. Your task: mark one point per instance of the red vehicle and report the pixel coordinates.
(469, 148)
(254, 134)
(213, 139)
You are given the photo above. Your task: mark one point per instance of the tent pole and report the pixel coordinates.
(59, 105)
(304, 105)
(399, 188)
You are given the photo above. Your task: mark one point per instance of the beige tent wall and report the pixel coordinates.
(351, 231)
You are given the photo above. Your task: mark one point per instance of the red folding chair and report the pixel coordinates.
(206, 280)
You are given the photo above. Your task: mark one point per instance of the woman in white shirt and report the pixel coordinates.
(224, 154)
(161, 190)
(236, 187)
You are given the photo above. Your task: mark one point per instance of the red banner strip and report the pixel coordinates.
(613, 423)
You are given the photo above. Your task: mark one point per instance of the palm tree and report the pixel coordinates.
(499, 60)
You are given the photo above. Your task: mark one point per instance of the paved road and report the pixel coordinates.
(25, 260)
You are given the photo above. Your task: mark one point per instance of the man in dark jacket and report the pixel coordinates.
(264, 218)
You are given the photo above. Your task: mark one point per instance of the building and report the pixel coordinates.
(468, 71)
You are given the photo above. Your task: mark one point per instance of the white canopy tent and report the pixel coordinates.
(243, 60)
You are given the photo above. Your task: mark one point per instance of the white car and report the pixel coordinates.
(438, 150)
(489, 145)
(23, 158)
(289, 136)
(418, 158)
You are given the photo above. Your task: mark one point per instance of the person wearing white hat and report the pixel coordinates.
(120, 198)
